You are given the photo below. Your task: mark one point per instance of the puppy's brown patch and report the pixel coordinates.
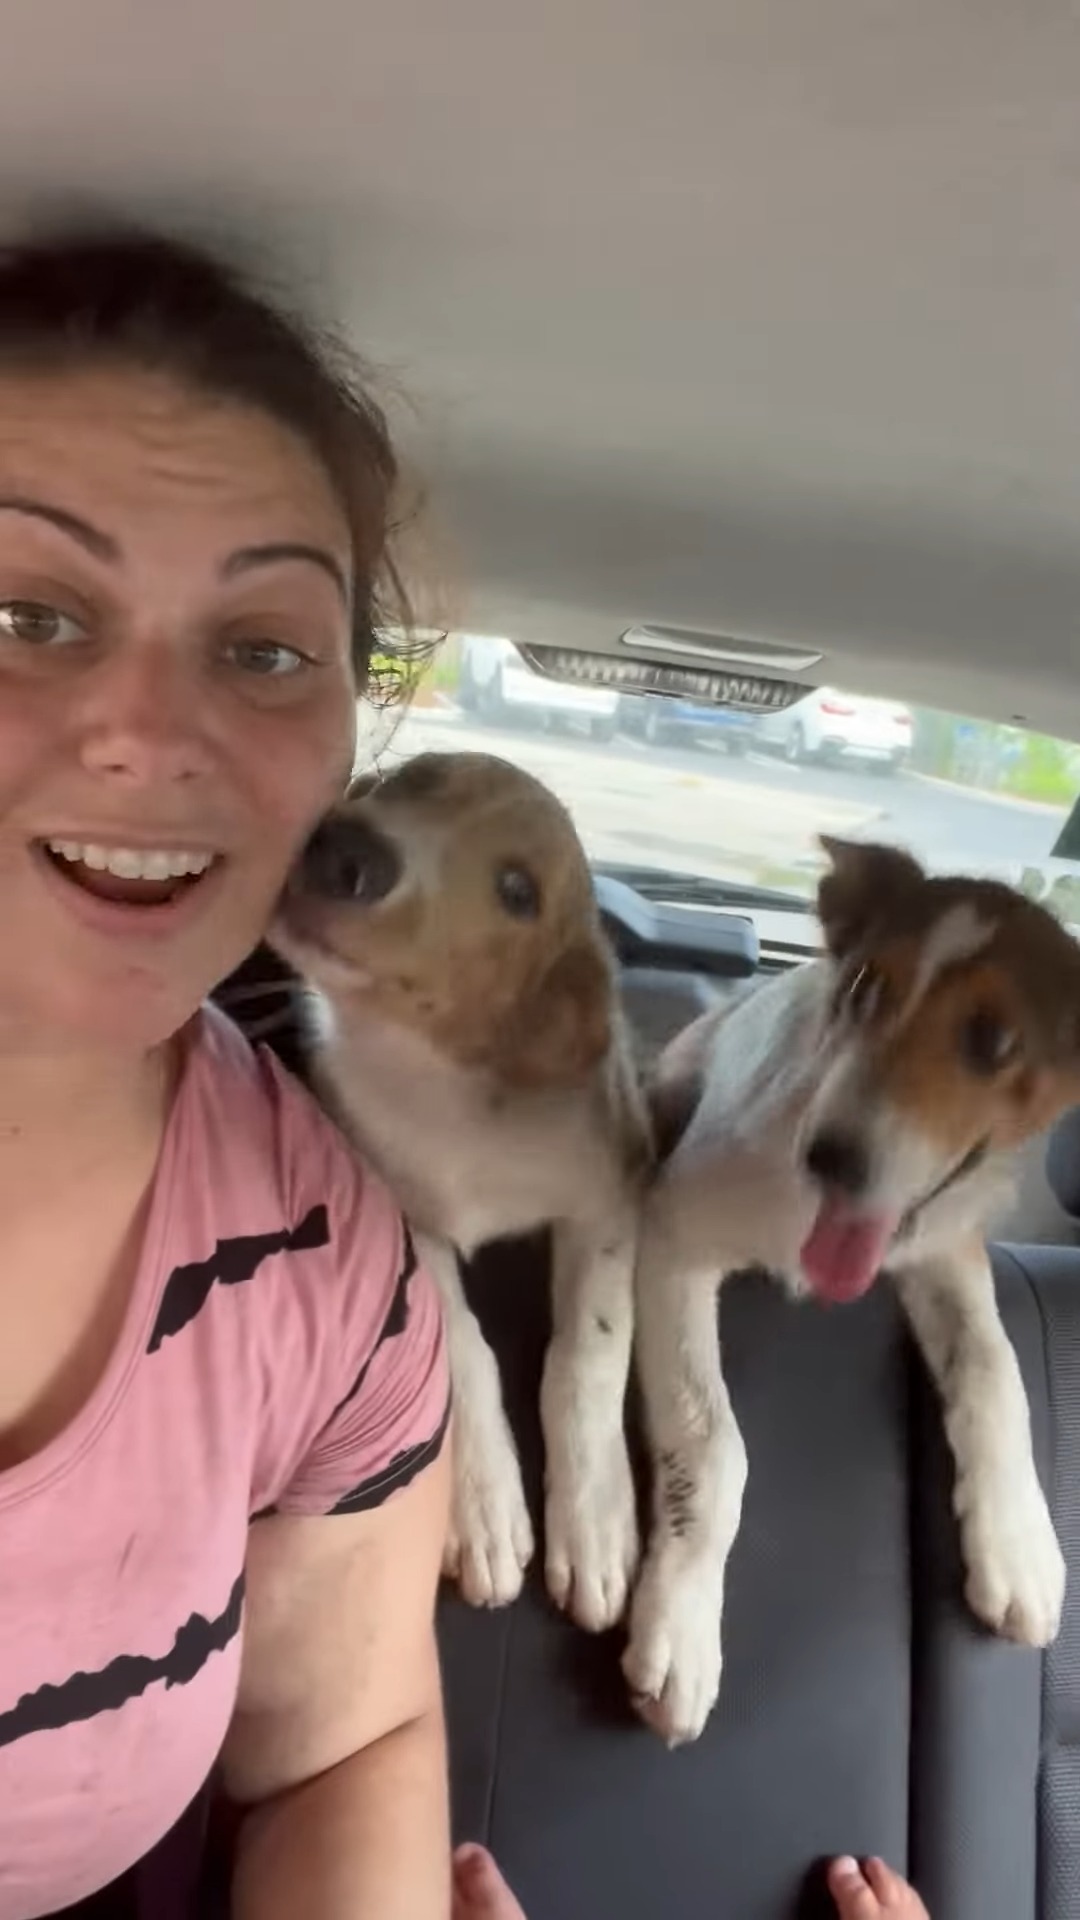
(491, 943)
(421, 778)
(983, 1042)
(560, 1032)
(863, 885)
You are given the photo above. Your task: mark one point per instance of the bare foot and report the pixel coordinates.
(480, 1892)
(868, 1892)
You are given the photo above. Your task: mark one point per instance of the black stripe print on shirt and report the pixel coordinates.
(403, 1468)
(397, 1315)
(84, 1695)
(232, 1261)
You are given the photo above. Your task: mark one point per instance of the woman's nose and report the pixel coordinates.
(144, 720)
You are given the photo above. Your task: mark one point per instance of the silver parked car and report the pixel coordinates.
(498, 684)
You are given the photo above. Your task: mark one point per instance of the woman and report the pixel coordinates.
(223, 1391)
(208, 1315)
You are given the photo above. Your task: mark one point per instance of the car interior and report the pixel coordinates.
(735, 348)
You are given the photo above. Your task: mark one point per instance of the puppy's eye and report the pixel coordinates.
(867, 992)
(987, 1042)
(518, 892)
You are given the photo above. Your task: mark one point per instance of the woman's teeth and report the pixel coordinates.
(133, 863)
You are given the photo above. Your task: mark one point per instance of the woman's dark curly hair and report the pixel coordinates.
(166, 306)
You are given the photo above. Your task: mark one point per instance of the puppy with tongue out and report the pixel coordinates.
(843, 1154)
(852, 1117)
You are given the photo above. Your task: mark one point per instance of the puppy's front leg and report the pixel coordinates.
(673, 1658)
(591, 1517)
(1015, 1569)
(490, 1542)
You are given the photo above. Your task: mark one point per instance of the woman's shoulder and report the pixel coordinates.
(253, 1159)
(341, 1315)
(248, 1105)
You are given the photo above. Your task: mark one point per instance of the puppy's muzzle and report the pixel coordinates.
(838, 1161)
(346, 859)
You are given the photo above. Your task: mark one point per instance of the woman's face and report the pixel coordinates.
(175, 693)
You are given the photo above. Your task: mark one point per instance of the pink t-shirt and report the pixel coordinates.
(282, 1352)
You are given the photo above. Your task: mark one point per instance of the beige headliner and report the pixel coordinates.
(757, 316)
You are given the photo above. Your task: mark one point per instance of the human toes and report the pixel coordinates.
(854, 1896)
(480, 1892)
(894, 1895)
(872, 1892)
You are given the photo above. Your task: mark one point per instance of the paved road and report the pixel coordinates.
(752, 819)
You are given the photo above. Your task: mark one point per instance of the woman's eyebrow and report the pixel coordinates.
(275, 551)
(101, 545)
(104, 547)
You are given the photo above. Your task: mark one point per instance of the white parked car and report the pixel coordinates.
(831, 726)
(499, 685)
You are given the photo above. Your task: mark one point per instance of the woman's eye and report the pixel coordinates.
(269, 659)
(37, 625)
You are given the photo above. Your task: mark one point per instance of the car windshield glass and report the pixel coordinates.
(709, 804)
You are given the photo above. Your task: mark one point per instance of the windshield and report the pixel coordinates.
(708, 803)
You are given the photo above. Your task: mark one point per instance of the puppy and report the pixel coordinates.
(472, 1045)
(856, 1114)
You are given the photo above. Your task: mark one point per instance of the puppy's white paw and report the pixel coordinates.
(1015, 1567)
(490, 1542)
(673, 1659)
(592, 1538)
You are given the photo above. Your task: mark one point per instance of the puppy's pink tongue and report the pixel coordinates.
(844, 1251)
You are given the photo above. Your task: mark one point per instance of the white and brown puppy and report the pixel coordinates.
(856, 1114)
(473, 1047)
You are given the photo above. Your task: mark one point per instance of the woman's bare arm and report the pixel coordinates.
(337, 1750)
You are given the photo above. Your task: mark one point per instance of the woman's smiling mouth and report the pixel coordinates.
(131, 876)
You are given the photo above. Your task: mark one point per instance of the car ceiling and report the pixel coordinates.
(750, 318)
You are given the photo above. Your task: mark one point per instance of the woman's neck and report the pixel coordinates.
(68, 1109)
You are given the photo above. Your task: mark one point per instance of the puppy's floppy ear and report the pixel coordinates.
(556, 1034)
(862, 882)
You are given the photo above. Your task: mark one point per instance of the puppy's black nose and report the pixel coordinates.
(839, 1160)
(346, 859)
